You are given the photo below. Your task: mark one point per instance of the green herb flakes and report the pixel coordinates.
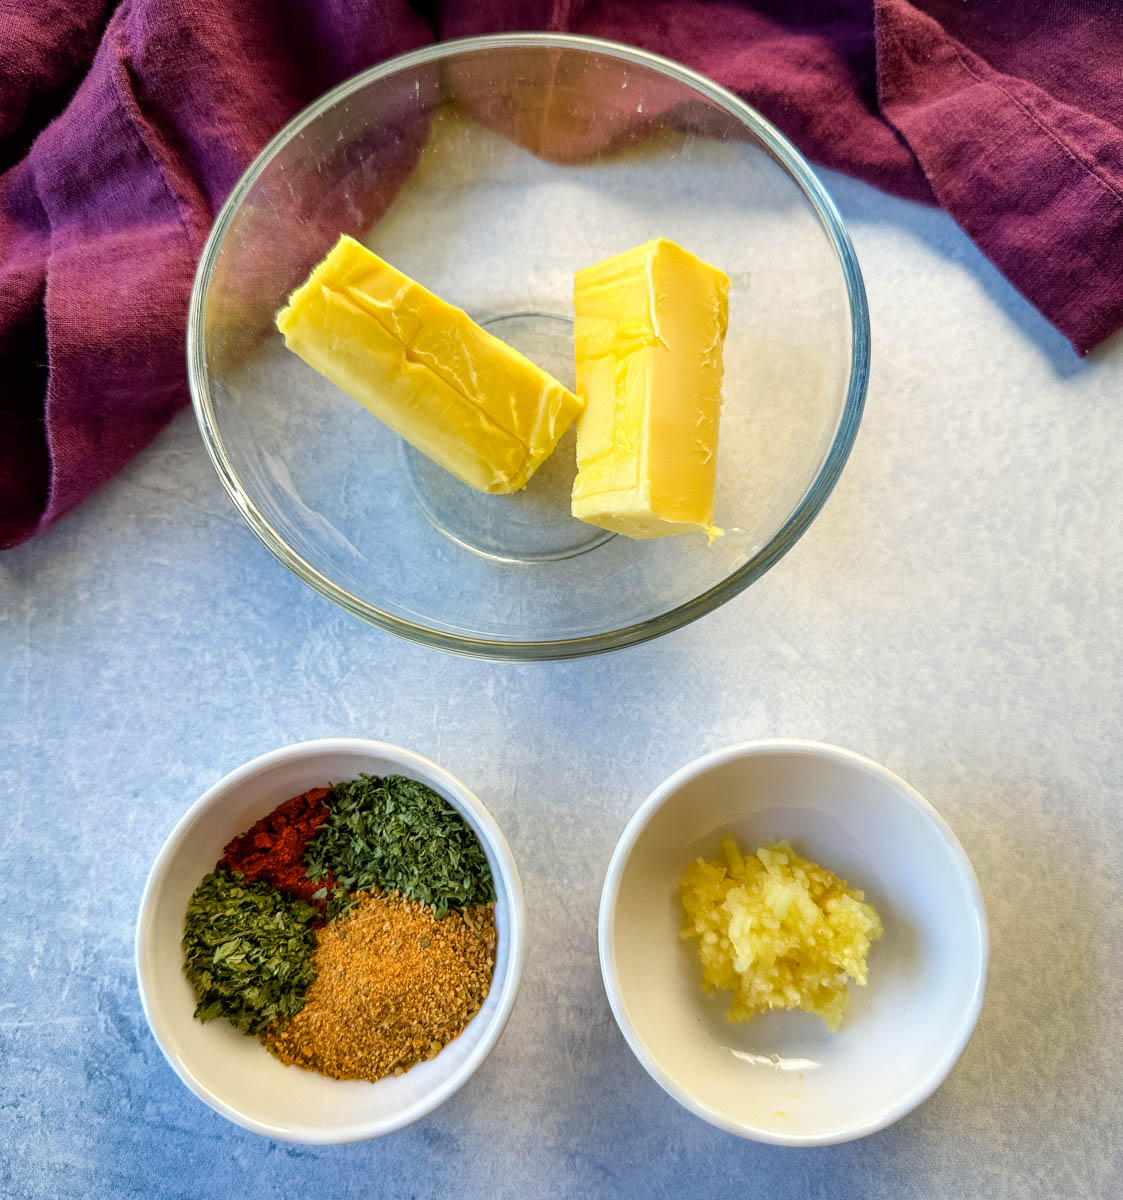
(398, 835)
(247, 951)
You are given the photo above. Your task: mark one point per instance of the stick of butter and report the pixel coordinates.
(458, 394)
(650, 324)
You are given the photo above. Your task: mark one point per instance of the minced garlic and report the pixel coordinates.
(777, 931)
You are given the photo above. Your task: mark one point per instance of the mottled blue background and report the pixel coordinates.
(954, 613)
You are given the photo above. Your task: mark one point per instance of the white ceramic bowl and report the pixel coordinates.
(782, 1077)
(234, 1074)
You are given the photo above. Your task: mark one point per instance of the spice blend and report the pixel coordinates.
(394, 985)
(273, 850)
(400, 835)
(405, 958)
(247, 951)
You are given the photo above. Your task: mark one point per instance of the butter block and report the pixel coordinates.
(649, 329)
(474, 405)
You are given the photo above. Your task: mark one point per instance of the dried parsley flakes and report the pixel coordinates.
(399, 835)
(247, 951)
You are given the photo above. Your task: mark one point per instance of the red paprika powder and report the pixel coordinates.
(273, 850)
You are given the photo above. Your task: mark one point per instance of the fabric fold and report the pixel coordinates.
(1036, 183)
(102, 222)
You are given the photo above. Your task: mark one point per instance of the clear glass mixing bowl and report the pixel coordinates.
(491, 170)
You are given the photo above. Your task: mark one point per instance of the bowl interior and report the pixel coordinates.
(491, 173)
(783, 1076)
(233, 1073)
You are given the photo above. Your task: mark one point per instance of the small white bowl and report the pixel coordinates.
(233, 1073)
(783, 1077)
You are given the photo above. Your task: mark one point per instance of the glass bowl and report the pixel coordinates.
(491, 169)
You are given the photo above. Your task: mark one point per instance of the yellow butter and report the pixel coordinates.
(650, 325)
(451, 389)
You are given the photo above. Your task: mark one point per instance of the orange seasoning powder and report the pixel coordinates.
(393, 987)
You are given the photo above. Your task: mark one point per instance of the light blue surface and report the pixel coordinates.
(953, 613)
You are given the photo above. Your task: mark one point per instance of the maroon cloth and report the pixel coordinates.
(122, 129)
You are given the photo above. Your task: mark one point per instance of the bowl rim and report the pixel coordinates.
(499, 853)
(912, 1096)
(778, 545)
